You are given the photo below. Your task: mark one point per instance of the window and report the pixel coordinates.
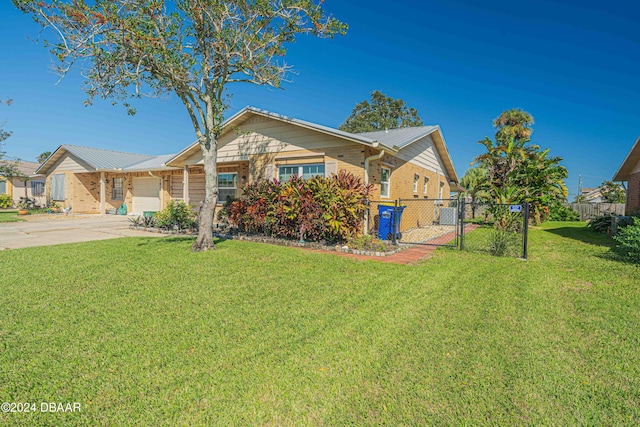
(286, 172)
(385, 177)
(57, 187)
(416, 178)
(426, 185)
(227, 186)
(304, 171)
(441, 190)
(118, 189)
(37, 188)
(3, 186)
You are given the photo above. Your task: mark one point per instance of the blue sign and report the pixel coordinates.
(515, 208)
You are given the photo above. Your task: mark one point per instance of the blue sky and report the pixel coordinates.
(574, 65)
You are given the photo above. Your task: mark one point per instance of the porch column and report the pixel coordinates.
(103, 194)
(185, 185)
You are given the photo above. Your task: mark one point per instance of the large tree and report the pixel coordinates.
(8, 169)
(383, 112)
(518, 171)
(191, 48)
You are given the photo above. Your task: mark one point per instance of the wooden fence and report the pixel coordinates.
(588, 211)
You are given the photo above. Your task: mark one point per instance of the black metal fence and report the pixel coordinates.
(496, 229)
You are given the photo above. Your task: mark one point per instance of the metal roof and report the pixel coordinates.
(25, 168)
(101, 159)
(390, 141)
(154, 163)
(399, 138)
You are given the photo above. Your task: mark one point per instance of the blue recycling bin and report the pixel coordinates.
(387, 217)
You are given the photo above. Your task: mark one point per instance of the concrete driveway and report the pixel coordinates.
(45, 230)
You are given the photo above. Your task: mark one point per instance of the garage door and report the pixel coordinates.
(146, 195)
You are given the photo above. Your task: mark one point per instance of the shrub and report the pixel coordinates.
(560, 212)
(315, 209)
(367, 243)
(504, 242)
(177, 215)
(628, 239)
(5, 201)
(601, 224)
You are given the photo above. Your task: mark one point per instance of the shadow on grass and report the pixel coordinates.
(582, 234)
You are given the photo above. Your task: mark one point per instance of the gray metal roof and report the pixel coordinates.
(25, 168)
(399, 138)
(100, 158)
(154, 163)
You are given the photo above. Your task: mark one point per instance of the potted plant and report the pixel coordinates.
(53, 207)
(25, 205)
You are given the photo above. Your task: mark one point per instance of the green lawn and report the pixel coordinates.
(142, 332)
(10, 216)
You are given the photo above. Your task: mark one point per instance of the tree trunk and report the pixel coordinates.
(204, 241)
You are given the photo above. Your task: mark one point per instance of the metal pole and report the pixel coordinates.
(463, 208)
(393, 222)
(526, 231)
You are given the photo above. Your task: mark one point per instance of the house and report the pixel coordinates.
(629, 171)
(28, 184)
(255, 144)
(591, 195)
(94, 180)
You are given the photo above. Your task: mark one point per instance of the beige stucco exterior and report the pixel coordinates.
(265, 144)
(254, 146)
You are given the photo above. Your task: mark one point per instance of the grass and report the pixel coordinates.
(142, 332)
(10, 216)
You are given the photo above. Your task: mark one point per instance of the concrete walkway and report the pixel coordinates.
(46, 230)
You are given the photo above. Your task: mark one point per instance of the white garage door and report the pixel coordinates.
(146, 195)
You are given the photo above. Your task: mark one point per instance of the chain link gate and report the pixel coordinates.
(494, 228)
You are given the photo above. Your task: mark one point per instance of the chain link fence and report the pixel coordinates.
(496, 229)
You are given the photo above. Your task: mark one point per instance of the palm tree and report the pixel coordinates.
(43, 156)
(518, 172)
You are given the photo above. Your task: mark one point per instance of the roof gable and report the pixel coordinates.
(391, 141)
(629, 163)
(101, 159)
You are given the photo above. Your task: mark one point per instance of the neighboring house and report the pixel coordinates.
(256, 144)
(29, 184)
(592, 195)
(629, 171)
(93, 180)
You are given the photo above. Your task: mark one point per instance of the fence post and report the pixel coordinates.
(393, 223)
(526, 231)
(461, 219)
